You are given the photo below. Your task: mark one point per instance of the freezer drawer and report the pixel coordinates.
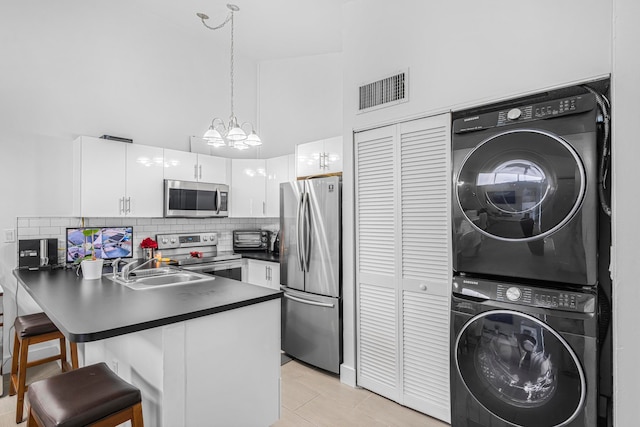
(312, 329)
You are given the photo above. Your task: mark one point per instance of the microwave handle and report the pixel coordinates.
(218, 200)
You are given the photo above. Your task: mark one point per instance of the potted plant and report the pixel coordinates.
(90, 265)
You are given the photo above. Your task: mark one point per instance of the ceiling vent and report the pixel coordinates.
(388, 91)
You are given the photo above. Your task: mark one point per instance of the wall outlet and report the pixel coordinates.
(9, 235)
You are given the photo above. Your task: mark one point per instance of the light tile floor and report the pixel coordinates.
(313, 398)
(310, 397)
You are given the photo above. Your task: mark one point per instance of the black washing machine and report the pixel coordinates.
(525, 189)
(522, 356)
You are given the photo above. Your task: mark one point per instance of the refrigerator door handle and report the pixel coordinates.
(307, 232)
(298, 240)
(306, 301)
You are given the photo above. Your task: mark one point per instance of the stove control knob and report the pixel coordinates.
(514, 293)
(173, 240)
(205, 238)
(514, 114)
(211, 237)
(165, 240)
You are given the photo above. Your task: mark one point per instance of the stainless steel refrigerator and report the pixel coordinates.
(311, 271)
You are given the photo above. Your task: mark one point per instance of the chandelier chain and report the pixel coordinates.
(231, 62)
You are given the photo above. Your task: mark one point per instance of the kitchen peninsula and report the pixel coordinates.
(201, 353)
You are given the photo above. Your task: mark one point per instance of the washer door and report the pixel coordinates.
(519, 369)
(521, 185)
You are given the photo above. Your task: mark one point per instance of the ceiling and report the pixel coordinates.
(264, 30)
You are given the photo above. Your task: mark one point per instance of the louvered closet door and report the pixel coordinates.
(426, 270)
(376, 291)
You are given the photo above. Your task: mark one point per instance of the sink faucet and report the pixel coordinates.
(114, 266)
(127, 270)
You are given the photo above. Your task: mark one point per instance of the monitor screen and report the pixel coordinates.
(107, 242)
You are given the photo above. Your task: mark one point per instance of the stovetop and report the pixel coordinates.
(192, 248)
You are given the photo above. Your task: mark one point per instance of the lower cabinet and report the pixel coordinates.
(402, 188)
(263, 273)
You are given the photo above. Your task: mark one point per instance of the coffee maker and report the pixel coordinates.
(37, 254)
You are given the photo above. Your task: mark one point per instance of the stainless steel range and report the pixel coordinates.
(198, 251)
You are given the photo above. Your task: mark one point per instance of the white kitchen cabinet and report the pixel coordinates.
(186, 166)
(402, 187)
(263, 273)
(248, 178)
(319, 157)
(291, 159)
(113, 179)
(277, 173)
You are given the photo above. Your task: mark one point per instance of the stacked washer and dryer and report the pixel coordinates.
(527, 288)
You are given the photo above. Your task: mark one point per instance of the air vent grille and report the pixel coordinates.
(388, 91)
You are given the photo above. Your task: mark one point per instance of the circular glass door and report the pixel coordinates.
(521, 185)
(519, 369)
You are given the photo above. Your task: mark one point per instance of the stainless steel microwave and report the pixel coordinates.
(189, 199)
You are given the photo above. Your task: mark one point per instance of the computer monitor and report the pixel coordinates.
(108, 242)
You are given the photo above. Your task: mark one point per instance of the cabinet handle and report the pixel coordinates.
(128, 205)
(200, 171)
(423, 287)
(121, 205)
(266, 273)
(195, 171)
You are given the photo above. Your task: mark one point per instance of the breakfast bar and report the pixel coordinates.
(201, 352)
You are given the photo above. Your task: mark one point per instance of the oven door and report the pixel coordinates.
(230, 269)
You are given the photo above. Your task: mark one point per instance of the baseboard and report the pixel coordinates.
(348, 375)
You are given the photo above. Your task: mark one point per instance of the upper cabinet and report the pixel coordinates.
(319, 157)
(114, 179)
(279, 170)
(186, 166)
(248, 178)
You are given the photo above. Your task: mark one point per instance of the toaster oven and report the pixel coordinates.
(250, 240)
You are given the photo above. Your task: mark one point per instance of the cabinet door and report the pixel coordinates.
(277, 172)
(180, 165)
(424, 152)
(333, 155)
(291, 158)
(144, 188)
(212, 169)
(402, 187)
(102, 177)
(308, 158)
(274, 275)
(257, 272)
(248, 178)
(376, 262)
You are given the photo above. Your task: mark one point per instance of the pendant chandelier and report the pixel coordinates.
(233, 135)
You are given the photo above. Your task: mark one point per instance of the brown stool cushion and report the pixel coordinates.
(81, 396)
(33, 324)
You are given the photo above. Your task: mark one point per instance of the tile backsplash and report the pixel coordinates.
(55, 227)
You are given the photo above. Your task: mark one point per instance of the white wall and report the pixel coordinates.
(460, 54)
(626, 205)
(300, 100)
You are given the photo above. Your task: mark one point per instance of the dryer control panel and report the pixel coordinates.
(525, 113)
(532, 296)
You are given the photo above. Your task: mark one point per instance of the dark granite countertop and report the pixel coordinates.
(90, 310)
(262, 256)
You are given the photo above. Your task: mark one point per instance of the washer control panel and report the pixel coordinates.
(532, 296)
(525, 113)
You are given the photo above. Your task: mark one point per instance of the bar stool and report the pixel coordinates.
(92, 395)
(31, 329)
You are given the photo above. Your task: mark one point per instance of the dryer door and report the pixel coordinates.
(520, 185)
(519, 369)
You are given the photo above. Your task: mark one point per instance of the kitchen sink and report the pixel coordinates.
(159, 277)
